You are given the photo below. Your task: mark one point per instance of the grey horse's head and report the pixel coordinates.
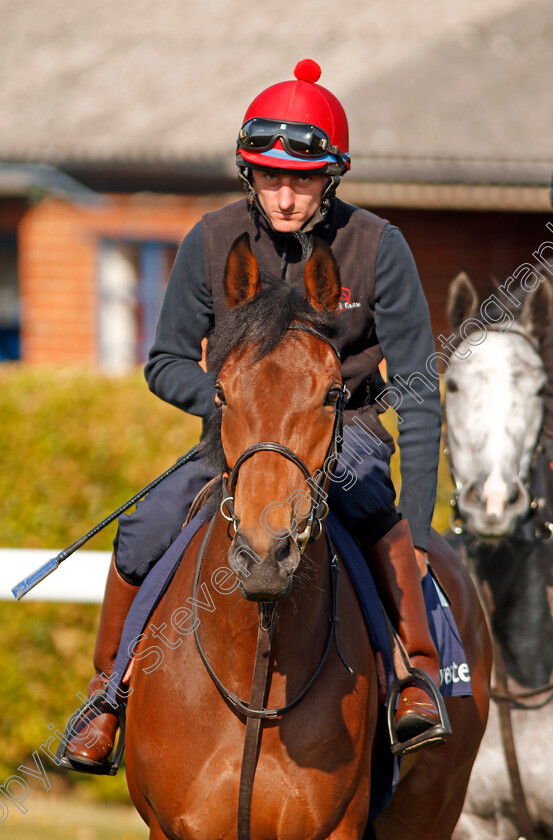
(493, 404)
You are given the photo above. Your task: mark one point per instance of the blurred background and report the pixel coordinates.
(118, 127)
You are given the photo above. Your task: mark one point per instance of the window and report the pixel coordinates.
(9, 300)
(132, 279)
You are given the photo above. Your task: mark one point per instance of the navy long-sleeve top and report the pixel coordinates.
(400, 322)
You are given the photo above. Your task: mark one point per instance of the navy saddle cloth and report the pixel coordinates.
(454, 669)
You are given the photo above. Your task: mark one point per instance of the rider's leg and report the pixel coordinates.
(144, 536)
(364, 501)
(142, 539)
(397, 576)
(118, 598)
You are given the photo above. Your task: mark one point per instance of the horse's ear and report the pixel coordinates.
(322, 278)
(241, 281)
(462, 300)
(536, 310)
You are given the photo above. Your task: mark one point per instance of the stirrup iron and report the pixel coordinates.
(82, 765)
(429, 737)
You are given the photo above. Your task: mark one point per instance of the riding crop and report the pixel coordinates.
(24, 586)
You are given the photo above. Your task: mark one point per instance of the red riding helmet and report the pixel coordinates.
(296, 125)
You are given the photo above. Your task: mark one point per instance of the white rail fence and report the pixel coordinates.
(80, 578)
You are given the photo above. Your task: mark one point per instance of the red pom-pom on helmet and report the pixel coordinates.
(302, 101)
(307, 70)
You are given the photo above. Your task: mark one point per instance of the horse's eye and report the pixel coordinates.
(219, 395)
(332, 396)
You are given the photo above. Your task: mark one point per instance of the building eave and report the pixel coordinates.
(33, 181)
(432, 196)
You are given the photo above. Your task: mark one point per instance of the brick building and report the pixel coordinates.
(118, 131)
(91, 273)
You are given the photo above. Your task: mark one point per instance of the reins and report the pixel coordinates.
(254, 711)
(507, 700)
(516, 699)
(500, 694)
(241, 706)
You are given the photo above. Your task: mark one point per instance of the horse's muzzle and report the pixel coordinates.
(266, 578)
(492, 523)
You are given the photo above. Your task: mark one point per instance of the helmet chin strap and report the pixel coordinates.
(328, 194)
(246, 176)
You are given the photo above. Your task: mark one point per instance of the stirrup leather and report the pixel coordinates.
(434, 734)
(108, 767)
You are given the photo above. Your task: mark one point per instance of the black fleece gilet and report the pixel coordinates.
(354, 235)
(384, 313)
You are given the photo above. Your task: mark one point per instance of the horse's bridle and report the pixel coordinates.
(316, 481)
(544, 531)
(457, 519)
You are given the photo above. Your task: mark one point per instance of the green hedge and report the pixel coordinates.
(75, 445)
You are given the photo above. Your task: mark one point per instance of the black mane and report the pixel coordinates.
(263, 321)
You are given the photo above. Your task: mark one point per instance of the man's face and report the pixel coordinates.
(289, 200)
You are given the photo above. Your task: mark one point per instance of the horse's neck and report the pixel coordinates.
(517, 572)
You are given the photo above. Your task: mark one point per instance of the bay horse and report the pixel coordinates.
(494, 411)
(278, 389)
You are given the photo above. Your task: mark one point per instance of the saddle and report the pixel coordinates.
(202, 498)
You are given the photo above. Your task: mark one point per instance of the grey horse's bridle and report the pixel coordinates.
(523, 480)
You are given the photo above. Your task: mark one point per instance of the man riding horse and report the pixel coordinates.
(292, 150)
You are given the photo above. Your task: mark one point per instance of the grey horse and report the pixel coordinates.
(493, 411)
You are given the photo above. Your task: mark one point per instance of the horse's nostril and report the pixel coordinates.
(287, 558)
(283, 553)
(513, 496)
(473, 495)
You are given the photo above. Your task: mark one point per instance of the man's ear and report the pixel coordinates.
(241, 281)
(322, 278)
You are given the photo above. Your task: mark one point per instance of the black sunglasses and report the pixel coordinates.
(299, 139)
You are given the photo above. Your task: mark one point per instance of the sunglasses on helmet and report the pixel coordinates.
(299, 139)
